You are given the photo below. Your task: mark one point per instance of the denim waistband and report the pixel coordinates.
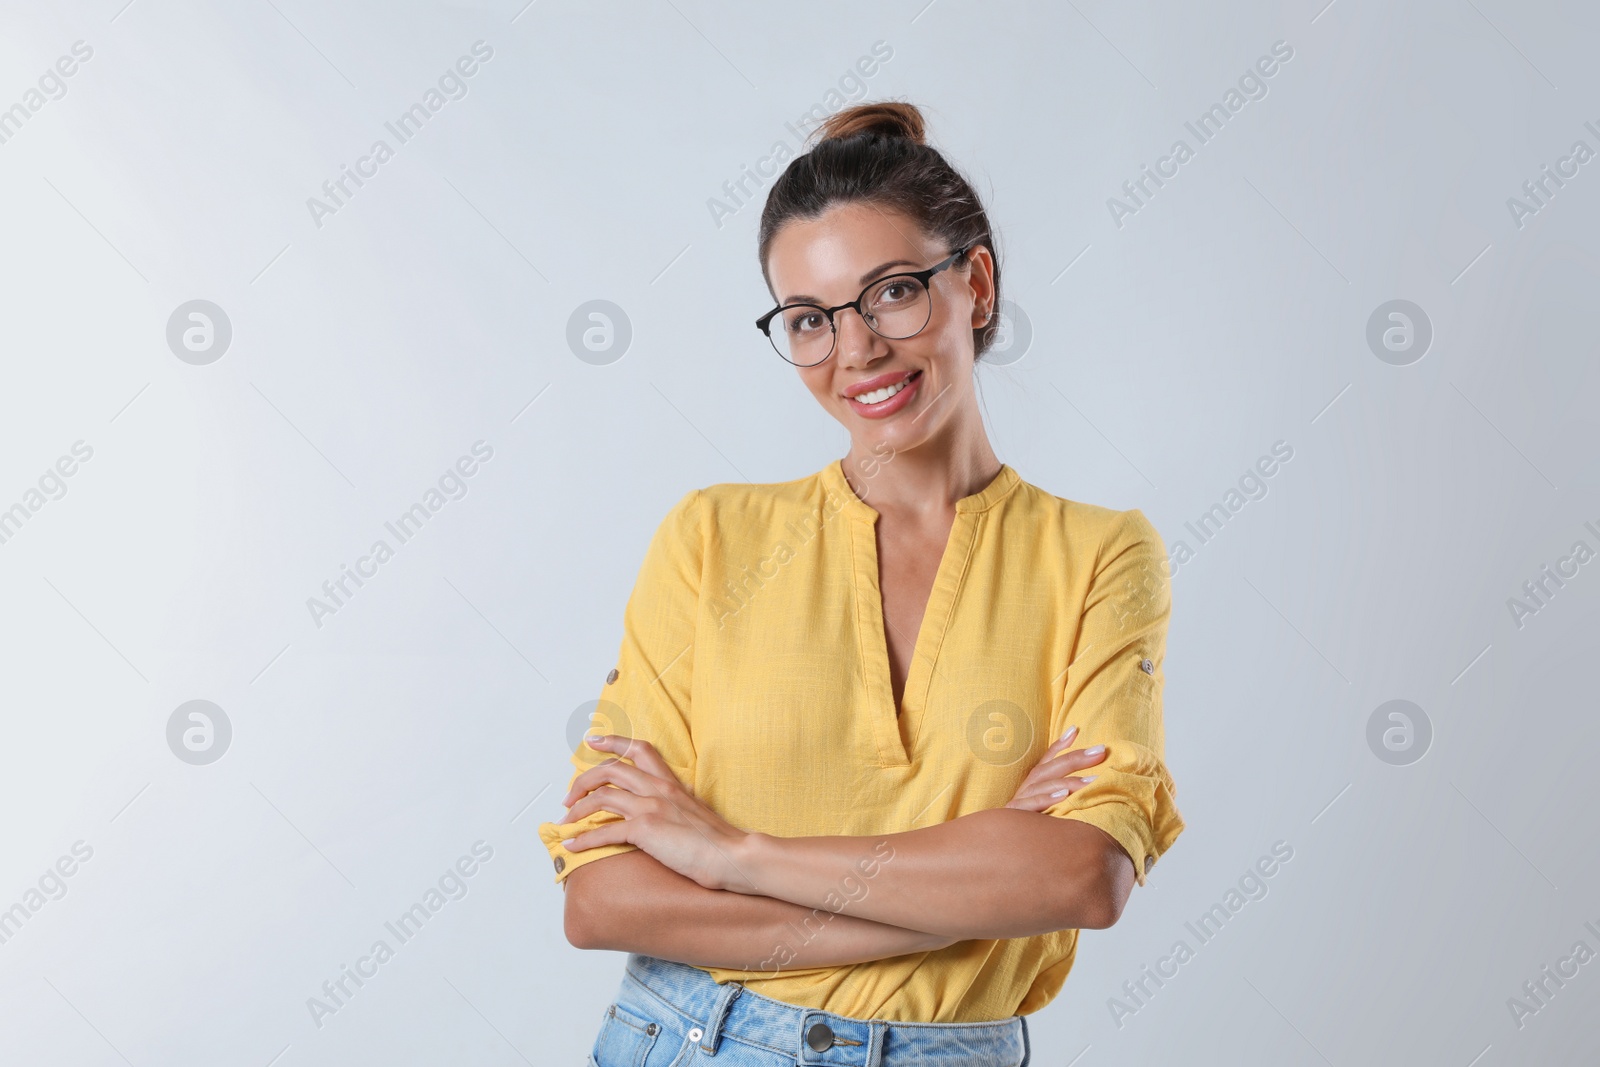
(732, 1011)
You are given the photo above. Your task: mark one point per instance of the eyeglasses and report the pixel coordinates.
(894, 307)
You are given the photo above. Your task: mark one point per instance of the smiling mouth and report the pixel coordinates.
(878, 396)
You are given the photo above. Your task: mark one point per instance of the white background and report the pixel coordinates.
(431, 310)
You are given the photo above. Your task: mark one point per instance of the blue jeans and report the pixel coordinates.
(672, 1015)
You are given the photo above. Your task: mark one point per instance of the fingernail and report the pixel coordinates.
(1090, 777)
(1071, 731)
(592, 738)
(1059, 793)
(1095, 751)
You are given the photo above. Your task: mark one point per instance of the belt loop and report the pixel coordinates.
(876, 1032)
(713, 1028)
(1027, 1053)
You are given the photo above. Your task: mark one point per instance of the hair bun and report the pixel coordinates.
(890, 118)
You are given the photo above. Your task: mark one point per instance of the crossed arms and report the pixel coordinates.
(700, 891)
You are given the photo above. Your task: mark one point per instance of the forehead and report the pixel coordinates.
(832, 251)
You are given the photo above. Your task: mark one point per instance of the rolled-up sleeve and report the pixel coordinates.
(647, 695)
(1113, 695)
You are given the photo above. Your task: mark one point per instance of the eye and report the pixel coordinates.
(802, 321)
(895, 292)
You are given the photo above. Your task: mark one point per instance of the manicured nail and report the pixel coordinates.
(1095, 751)
(1071, 732)
(1090, 777)
(1059, 793)
(592, 738)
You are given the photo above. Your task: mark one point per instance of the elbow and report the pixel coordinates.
(573, 923)
(577, 920)
(1102, 909)
(1104, 891)
(601, 909)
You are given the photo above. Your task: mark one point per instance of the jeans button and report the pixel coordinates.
(820, 1037)
(696, 1034)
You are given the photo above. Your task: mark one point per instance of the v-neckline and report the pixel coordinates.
(895, 730)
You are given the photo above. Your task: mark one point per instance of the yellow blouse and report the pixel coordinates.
(753, 658)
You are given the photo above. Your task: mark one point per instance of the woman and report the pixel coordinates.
(840, 813)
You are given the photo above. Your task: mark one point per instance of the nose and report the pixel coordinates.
(854, 342)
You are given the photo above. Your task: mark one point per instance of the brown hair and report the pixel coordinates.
(878, 153)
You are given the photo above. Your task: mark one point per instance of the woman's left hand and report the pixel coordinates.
(659, 815)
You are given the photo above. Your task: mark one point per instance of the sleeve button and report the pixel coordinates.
(1147, 666)
(611, 675)
(1149, 861)
(561, 864)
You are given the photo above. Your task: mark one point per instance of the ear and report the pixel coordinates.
(980, 281)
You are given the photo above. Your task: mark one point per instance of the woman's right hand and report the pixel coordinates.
(1055, 775)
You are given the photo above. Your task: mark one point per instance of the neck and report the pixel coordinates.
(923, 483)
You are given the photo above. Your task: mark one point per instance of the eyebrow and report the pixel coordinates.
(866, 279)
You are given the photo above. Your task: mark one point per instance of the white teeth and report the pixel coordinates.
(878, 396)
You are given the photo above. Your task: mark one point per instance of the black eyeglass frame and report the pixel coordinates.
(923, 278)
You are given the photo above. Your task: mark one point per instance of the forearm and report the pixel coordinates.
(992, 874)
(632, 903)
